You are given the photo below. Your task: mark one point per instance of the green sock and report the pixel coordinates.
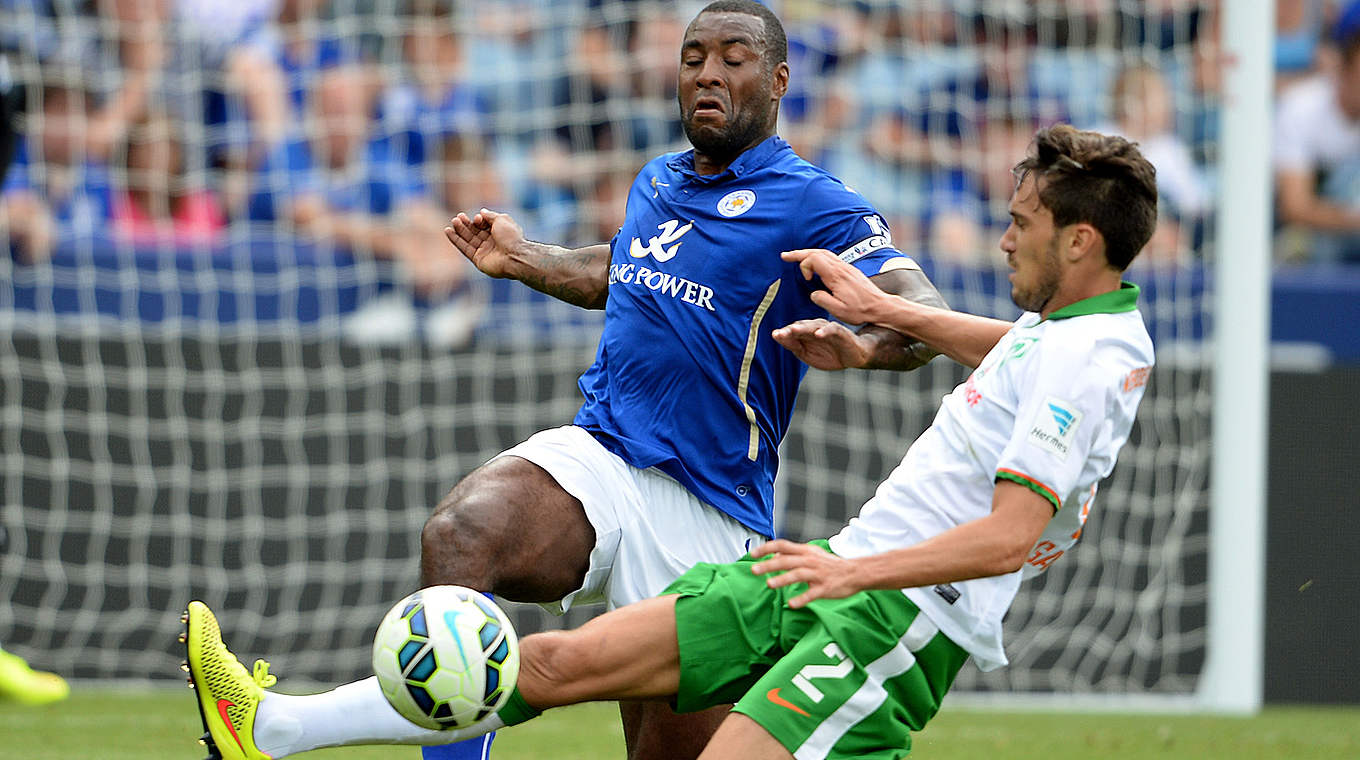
(516, 710)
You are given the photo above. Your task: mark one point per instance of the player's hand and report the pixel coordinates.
(488, 239)
(849, 295)
(827, 576)
(823, 344)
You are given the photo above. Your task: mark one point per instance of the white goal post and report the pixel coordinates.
(1233, 678)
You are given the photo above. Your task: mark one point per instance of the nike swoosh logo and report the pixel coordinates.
(222, 705)
(451, 620)
(773, 696)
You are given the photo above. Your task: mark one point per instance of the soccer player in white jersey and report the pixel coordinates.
(671, 459)
(841, 648)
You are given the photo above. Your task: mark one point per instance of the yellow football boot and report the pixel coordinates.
(20, 683)
(228, 694)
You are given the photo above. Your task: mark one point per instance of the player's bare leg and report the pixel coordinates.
(740, 738)
(508, 528)
(629, 653)
(652, 730)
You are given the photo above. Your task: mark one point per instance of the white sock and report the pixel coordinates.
(356, 713)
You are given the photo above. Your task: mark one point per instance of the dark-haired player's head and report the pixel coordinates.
(1076, 191)
(733, 71)
(1102, 180)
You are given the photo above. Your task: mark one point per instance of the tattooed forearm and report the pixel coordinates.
(577, 276)
(893, 350)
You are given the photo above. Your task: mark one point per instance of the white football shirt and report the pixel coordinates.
(1049, 407)
(1312, 133)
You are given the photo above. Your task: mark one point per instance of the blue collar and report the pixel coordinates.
(749, 161)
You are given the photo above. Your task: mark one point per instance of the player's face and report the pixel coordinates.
(1031, 247)
(728, 93)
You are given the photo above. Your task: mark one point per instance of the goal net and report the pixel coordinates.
(262, 412)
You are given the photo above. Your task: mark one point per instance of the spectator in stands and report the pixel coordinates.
(342, 183)
(297, 47)
(657, 32)
(185, 55)
(133, 41)
(1143, 111)
(612, 112)
(336, 177)
(966, 208)
(53, 185)
(160, 202)
(434, 97)
(600, 128)
(518, 45)
(463, 174)
(592, 131)
(820, 106)
(961, 104)
(959, 132)
(515, 57)
(245, 98)
(466, 175)
(888, 57)
(276, 64)
(1298, 35)
(436, 118)
(117, 46)
(1317, 151)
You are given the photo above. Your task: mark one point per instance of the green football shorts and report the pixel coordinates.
(839, 678)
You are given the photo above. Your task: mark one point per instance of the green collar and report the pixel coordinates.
(1113, 302)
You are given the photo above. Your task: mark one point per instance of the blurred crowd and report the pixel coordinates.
(367, 123)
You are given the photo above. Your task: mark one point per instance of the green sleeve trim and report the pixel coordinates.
(1032, 485)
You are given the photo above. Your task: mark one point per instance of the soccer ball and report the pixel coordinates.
(446, 657)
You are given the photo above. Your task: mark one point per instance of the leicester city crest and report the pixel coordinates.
(736, 203)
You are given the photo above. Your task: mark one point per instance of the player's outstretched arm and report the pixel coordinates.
(888, 348)
(495, 244)
(993, 545)
(852, 297)
(828, 345)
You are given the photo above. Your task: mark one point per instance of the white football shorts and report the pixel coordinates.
(648, 528)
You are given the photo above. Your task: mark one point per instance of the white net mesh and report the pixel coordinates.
(261, 412)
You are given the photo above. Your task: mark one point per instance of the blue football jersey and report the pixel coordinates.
(687, 378)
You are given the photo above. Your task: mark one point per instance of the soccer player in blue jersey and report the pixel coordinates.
(671, 459)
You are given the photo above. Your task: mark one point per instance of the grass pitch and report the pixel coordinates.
(123, 725)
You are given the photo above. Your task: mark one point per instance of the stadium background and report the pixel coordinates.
(206, 392)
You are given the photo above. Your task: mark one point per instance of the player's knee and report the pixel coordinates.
(508, 528)
(456, 547)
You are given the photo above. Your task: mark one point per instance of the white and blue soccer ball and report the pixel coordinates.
(446, 657)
